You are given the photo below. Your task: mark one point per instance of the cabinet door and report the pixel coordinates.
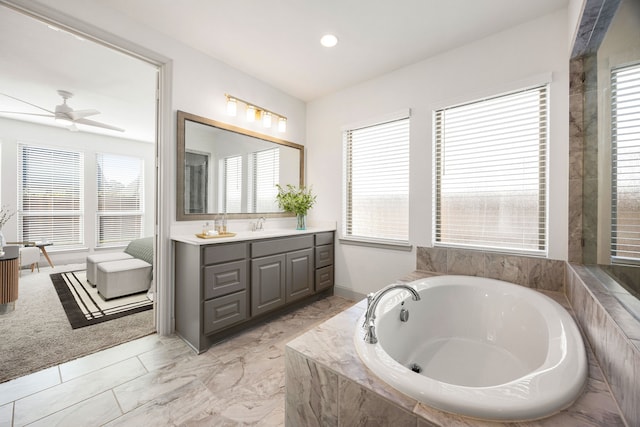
(299, 274)
(267, 283)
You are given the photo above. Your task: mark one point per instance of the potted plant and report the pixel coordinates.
(297, 200)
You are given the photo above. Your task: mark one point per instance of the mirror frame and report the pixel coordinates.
(183, 117)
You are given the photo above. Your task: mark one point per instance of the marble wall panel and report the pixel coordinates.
(311, 392)
(608, 328)
(361, 407)
(538, 273)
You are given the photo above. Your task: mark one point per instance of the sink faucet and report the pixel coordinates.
(259, 225)
(372, 302)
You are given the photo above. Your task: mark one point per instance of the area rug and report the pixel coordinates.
(84, 306)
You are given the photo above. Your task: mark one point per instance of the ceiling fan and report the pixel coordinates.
(65, 112)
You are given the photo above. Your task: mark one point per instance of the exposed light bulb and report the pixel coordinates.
(232, 106)
(282, 124)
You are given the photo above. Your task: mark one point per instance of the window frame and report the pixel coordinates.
(543, 176)
(614, 258)
(79, 200)
(121, 213)
(347, 235)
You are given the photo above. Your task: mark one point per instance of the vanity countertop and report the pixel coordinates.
(192, 239)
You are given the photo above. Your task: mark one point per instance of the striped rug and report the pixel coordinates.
(84, 306)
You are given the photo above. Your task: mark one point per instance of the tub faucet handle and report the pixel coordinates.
(370, 336)
(370, 297)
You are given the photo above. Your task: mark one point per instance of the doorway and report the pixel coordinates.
(121, 89)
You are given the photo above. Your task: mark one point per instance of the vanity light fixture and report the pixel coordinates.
(251, 113)
(266, 119)
(282, 124)
(232, 106)
(254, 112)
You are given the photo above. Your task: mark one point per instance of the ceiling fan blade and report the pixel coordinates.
(80, 114)
(28, 114)
(97, 124)
(28, 103)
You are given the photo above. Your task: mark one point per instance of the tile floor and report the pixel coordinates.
(159, 381)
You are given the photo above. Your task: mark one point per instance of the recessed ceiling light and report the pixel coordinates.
(329, 40)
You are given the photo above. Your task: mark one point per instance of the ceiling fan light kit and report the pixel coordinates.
(64, 112)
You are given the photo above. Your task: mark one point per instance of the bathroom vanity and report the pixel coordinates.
(223, 285)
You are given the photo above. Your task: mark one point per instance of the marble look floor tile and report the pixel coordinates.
(6, 415)
(183, 406)
(94, 411)
(170, 352)
(110, 356)
(29, 384)
(146, 388)
(54, 399)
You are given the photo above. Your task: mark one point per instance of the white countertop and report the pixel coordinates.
(192, 239)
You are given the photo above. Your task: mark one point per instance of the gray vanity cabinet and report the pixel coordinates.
(221, 288)
(324, 261)
(281, 272)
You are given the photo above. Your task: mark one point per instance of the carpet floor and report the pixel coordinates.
(37, 334)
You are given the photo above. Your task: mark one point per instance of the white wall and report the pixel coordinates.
(499, 63)
(13, 132)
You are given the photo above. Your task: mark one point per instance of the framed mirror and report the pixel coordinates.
(223, 169)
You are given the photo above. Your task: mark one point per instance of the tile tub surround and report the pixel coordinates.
(327, 385)
(532, 272)
(614, 336)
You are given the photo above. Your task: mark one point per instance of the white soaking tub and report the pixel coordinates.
(478, 347)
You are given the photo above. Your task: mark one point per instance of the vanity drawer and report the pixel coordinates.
(324, 278)
(324, 238)
(219, 253)
(278, 246)
(324, 255)
(224, 311)
(224, 279)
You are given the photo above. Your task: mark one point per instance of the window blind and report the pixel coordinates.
(490, 168)
(120, 211)
(625, 156)
(233, 184)
(266, 174)
(50, 195)
(376, 186)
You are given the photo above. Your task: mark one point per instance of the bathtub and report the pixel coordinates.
(478, 347)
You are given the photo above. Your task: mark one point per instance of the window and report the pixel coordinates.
(490, 166)
(376, 186)
(625, 156)
(120, 209)
(265, 175)
(50, 192)
(232, 169)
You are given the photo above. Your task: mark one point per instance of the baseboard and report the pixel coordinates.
(348, 293)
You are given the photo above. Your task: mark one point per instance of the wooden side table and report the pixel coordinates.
(9, 268)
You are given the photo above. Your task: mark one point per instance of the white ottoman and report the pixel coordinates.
(94, 260)
(123, 277)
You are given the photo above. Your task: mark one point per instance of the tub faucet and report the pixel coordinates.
(372, 302)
